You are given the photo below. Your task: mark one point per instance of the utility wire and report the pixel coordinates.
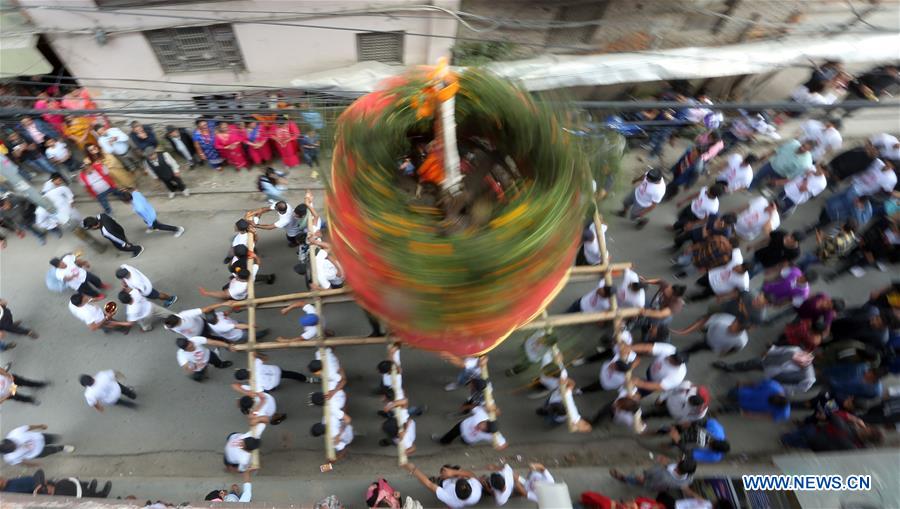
(613, 105)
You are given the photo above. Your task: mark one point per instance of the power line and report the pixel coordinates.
(612, 105)
(321, 27)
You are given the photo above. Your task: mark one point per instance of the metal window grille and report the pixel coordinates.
(384, 47)
(189, 49)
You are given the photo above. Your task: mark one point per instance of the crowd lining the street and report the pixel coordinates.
(829, 362)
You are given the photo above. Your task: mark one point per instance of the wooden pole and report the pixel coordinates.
(320, 336)
(251, 335)
(579, 318)
(398, 392)
(614, 307)
(327, 343)
(489, 397)
(330, 295)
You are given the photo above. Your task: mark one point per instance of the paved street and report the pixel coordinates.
(180, 426)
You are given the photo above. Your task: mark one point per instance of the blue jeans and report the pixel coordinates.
(103, 198)
(272, 192)
(43, 164)
(806, 260)
(764, 173)
(755, 269)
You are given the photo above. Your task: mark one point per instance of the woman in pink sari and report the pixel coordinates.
(258, 142)
(45, 102)
(229, 143)
(285, 137)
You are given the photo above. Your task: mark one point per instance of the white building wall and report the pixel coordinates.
(272, 54)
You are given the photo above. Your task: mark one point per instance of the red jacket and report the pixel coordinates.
(98, 167)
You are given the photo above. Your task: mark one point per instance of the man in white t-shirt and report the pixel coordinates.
(724, 281)
(826, 135)
(474, 429)
(63, 200)
(83, 308)
(594, 301)
(879, 177)
(259, 406)
(236, 289)
(590, 246)
(134, 279)
(268, 376)
(886, 145)
(288, 220)
(724, 335)
(737, 173)
(613, 372)
(141, 311)
(686, 403)
(329, 273)
(104, 389)
(703, 203)
(72, 270)
(194, 356)
(537, 474)
(645, 197)
(500, 483)
(800, 190)
(666, 372)
(454, 487)
(758, 217)
(309, 321)
(341, 431)
(238, 449)
(27, 443)
(632, 293)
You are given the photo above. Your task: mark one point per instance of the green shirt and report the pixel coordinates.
(788, 163)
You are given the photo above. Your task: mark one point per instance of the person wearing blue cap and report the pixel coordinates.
(309, 321)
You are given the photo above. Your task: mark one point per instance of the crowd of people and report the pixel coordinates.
(828, 362)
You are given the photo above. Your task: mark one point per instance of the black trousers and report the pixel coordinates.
(129, 393)
(91, 286)
(706, 290)
(215, 361)
(173, 184)
(451, 435)
(685, 216)
(293, 375)
(160, 226)
(8, 324)
(24, 382)
(125, 246)
(50, 446)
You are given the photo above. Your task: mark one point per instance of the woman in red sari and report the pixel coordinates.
(45, 102)
(258, 142)
(285, 137)
(230, 143)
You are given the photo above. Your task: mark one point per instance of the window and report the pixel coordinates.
(127, 4)
(189, 49)
(384, 47)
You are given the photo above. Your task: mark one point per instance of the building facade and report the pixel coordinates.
(244, 42)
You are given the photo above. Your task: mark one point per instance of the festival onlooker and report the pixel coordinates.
(162, 166)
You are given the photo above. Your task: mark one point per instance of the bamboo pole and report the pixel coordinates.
(326, 343)
(395, 385)
(320, 336)
(563, 384)
(618, 316)
(579, 318)
(251, 335)
(325, 294)
(489, 397)
(335, 299)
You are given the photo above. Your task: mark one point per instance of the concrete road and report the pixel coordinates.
(173, 441)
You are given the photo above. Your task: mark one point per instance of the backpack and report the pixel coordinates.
(837, 245)
(714, 252)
